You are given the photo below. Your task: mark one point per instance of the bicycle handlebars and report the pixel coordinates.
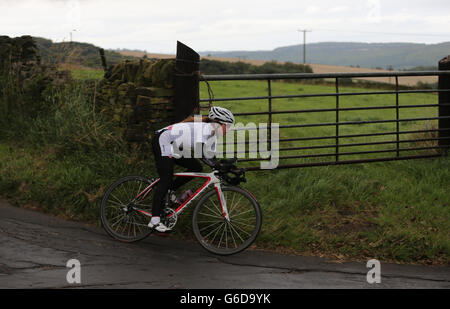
(227, 166)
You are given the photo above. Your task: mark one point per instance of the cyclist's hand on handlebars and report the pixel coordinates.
(212, 162)
(237, 171)
(234, 176)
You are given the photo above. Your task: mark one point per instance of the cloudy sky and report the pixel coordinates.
(156, 25)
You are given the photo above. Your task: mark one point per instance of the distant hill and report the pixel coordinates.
(77, 53)
(369, 55)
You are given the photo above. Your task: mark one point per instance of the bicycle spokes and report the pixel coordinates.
(123, 214)
(219, 232)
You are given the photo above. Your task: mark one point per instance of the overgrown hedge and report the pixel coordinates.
(224, 67)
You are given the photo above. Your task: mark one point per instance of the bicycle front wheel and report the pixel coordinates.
(119, 214)
(220, 236)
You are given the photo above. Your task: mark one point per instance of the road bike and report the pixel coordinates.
(226, 220)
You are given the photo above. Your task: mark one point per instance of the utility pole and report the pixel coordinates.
(71, 34)
(304, 43)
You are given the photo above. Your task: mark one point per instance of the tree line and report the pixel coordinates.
(222, 67)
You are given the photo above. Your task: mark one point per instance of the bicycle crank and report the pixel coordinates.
(169, 217)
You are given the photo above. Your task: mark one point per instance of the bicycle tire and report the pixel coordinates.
(118, 204)
(202, 210)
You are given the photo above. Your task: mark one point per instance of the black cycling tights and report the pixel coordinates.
(165, 167)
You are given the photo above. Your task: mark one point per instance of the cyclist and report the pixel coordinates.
(186, 135)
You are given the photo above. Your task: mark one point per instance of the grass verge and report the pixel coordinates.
(349, 212)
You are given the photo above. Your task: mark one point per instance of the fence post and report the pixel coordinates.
(269, 88)
(444, 106)
(337, 119)
(186, 99)
(397, 116)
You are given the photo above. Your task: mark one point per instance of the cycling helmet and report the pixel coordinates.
(221, 115)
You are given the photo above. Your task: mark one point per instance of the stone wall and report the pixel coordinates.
(137, 96)
(21, 49)
(20, 65)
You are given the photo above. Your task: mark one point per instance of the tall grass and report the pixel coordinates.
(72, 122)
(63, 156)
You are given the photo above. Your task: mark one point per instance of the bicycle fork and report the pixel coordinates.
(223, 202)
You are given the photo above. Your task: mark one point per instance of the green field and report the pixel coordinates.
(83, 74)
(234, 89)
(62, 161)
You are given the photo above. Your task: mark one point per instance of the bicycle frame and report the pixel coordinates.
(211, 179)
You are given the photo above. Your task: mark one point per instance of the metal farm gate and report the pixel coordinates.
(340, 141)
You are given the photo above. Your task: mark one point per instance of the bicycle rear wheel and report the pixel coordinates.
(223, 237)
(119, 216)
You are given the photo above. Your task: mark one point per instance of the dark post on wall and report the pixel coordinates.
(186, 100)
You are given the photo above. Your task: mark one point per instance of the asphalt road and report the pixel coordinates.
(35, 248)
